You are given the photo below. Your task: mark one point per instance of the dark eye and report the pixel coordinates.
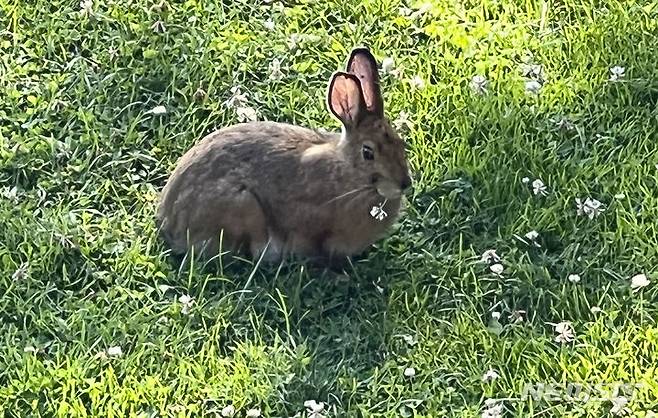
(368, 153)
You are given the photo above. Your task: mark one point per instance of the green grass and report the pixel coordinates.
(82, 161)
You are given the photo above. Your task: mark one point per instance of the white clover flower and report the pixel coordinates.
(589, 207)
(158, 110)
(639, 281)
(417, 82)
(527, 57)
(114, 351)
(9, 193)
(228, 411)
(495, 315)
(158, 26)
(619, 406)
(21, 272)
(293, 41)
(112, 53)
(535, 71)
(410, 339)
(246, 114)
(314, 409)
(532, 87)
(620, 196)
(275, 70)
(565, 332)
(314, 406)
(86, 8)
(492, 409)
(617, 72)
(516, 316)
(525, 180)
(269, 24)
(187, 301)
(237, 98)
(409, 372)
(378, 212)
(163, 288)
(253, 413)
(388, 65)
(490, 375)
(404, 11)
(497, 269)
(574, 278)
(538, 187)
(489, 256)
(532, 235)
(424, 8)
(479, 84)
(402, 123)
(563, 123)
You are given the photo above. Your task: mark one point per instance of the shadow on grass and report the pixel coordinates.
(339, 320)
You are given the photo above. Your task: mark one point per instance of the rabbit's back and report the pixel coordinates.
(252, 153)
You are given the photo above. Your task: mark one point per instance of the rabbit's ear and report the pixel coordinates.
(363, 64)
(345, 98)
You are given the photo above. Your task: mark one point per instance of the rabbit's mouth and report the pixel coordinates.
(388, 190)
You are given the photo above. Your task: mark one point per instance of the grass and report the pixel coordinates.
(82, 161)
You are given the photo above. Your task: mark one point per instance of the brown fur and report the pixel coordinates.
(289, 188)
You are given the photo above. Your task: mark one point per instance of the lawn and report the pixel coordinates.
(512, 110)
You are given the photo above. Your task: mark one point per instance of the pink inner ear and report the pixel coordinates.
(361, 67)
(345, 98)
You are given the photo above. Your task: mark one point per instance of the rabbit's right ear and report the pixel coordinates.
(364, 65)
(345, 98)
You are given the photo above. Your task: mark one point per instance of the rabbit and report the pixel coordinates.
(271, 189)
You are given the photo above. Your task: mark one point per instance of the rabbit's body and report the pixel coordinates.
(280, 194)
(289, 189)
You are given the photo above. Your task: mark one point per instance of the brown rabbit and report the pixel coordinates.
(284, 189)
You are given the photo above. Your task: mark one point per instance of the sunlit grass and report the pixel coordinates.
(82, 159)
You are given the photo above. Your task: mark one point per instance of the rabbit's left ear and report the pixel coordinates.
(345, 99)
(363, 64)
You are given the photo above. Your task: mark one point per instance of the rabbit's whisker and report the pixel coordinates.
(351, 192)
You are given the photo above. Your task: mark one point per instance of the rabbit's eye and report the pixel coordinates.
(368, 153)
